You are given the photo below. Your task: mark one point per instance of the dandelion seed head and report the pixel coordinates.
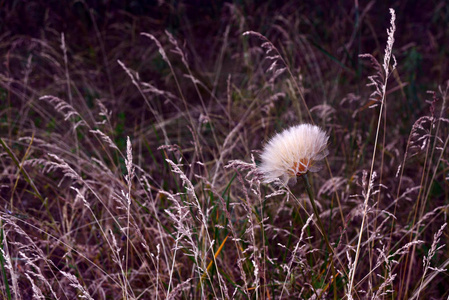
(293, 152)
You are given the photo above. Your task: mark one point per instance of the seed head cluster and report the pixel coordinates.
(293, 152)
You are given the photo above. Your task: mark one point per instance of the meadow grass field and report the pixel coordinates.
(135, 157)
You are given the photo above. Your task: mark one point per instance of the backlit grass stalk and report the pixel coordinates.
(128, 178)
(190, 190)
(69, 90)
(382, 91)
(425, 183)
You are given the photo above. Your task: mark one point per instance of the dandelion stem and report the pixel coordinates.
(315, 210)
(321, 229)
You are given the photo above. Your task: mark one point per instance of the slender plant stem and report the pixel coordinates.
(3, 263)
(321, 228)
(315, 210)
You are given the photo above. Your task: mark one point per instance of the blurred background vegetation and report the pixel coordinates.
(98, 33)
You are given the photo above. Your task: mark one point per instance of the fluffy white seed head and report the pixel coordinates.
(293, 152)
